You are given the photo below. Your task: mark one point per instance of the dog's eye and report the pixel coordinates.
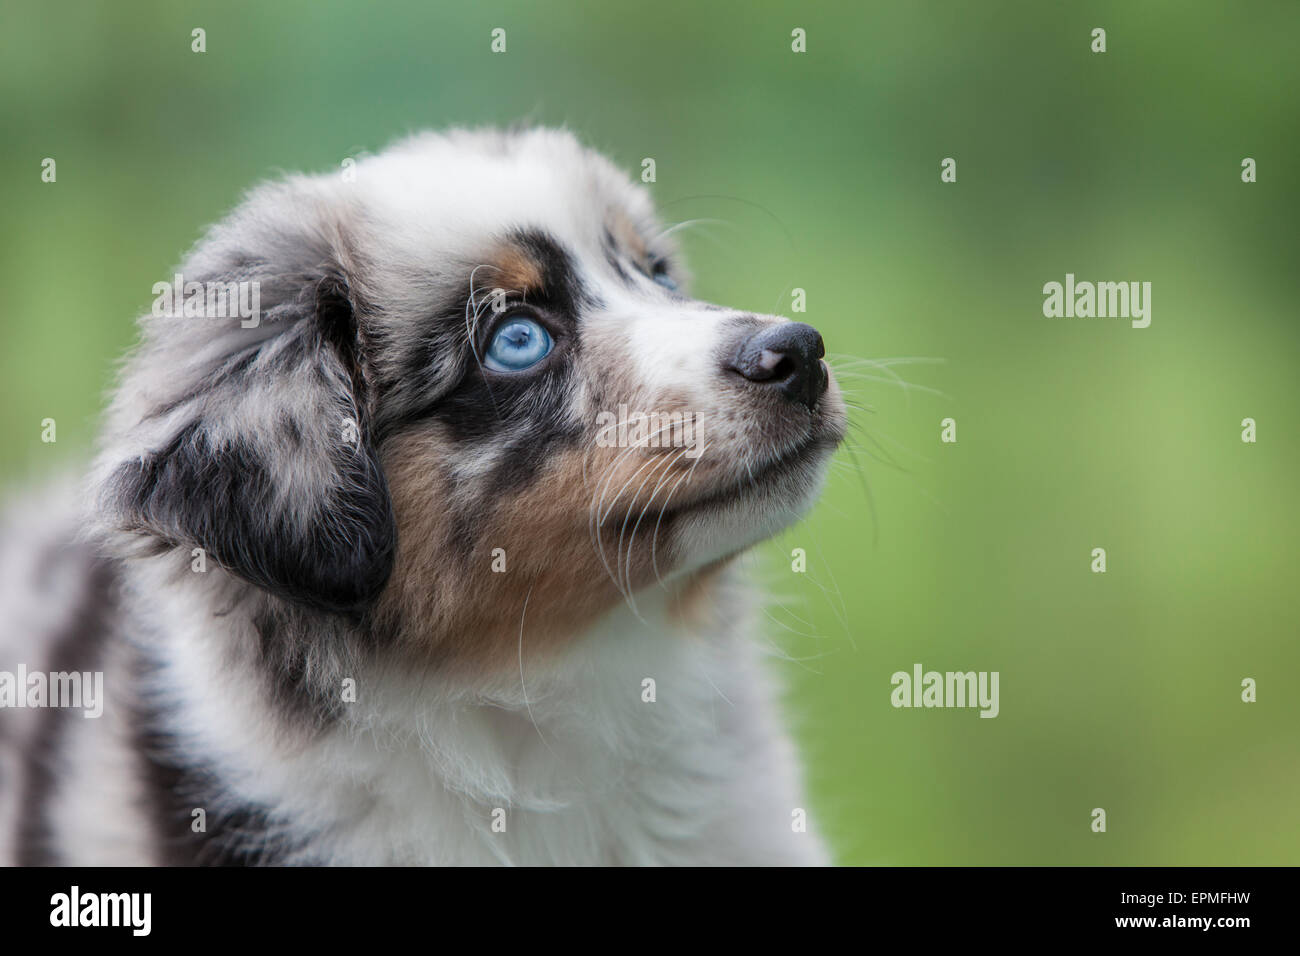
(659, 272)
(519, 344)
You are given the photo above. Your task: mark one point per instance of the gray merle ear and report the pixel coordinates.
(252, 440)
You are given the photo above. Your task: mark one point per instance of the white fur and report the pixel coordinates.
(585, 770)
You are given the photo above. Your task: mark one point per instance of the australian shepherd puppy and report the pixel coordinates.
(428, 558)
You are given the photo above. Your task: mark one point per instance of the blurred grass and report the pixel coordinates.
(1118, 690)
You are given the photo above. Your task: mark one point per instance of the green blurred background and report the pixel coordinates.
(1118, 690)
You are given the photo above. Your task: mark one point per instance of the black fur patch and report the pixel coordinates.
(77, 647)
(218, 497)
(232, 835)
(615, 261)
(285, 637)
(561, 290)
(336, 320)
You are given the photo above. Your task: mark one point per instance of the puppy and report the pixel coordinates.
(428, 557)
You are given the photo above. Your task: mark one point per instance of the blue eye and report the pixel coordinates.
(661, 276)
(519, 344)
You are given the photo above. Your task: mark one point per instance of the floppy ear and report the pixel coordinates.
(248, 436)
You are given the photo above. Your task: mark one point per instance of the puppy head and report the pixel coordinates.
(477, 400)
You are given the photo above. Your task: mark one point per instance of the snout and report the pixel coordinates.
(785, 357)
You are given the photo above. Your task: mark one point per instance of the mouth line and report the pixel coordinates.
(753, 481)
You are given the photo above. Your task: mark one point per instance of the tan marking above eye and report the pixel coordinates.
(516, 271)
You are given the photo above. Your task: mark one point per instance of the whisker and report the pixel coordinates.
(599, 519)
(687, 224)
(626, 569)
(662, 478)
(654, 540)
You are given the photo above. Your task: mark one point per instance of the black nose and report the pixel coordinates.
(786, 356)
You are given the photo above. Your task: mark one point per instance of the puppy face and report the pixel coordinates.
(545, 423)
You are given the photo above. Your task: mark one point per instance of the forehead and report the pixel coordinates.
(461, 190)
